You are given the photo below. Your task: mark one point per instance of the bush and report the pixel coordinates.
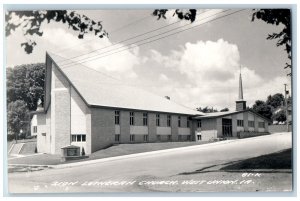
(10, 137)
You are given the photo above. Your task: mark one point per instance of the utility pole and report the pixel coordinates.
(286, 108)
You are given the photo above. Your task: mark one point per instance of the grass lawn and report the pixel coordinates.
(115, 150)
(278, 160)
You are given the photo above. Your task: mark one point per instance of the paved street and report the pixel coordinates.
(144, 168)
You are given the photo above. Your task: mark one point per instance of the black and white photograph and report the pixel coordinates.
(177, 99)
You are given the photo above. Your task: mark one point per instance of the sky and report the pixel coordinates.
(198, 67)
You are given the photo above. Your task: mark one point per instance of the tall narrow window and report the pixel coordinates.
(199, 124)
(35, 129)
(169, 137)
(261, 124)
(169, 120)
(145, 138)
(131, 118)
(251, 124)
(157, 120)
(145, 119)
(131, 138)
(158, 137)
(117, 138)
(179, 121)
(187, 123)
(240, 123)
(117, 117)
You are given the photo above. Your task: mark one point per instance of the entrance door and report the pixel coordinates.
(227, 127)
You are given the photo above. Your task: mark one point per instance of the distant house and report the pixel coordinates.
(86, 108)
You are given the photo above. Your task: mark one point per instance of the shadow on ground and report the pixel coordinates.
(278, 161)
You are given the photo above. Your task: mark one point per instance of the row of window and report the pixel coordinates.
(78, 138)
(146, 137)
(145, 119)
(240, 123)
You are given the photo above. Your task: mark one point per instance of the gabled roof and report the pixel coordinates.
(97, 89)
(223, 114)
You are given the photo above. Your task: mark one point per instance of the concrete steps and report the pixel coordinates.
(28, 148)
(16, 148)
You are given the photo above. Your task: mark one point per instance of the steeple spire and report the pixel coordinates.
(241, 85)
(240, 103)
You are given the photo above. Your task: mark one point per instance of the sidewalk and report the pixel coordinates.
(54, 161)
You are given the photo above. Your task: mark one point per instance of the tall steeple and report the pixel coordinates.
(241, 86)
(240, 103)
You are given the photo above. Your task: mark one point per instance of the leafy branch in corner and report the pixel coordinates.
(182, 14)
(31, 21)
(278, 17)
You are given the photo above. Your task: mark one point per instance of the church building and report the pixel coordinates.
(86, 108)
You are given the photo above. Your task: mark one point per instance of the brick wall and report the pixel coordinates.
(102, 128)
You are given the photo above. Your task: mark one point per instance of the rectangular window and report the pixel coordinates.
(169, 120)
(187, 123)
(131, 138)
(158, 137)
(145, 138)
(240, 123)
(145, 119)
(157, 120)
(169, 137)
(78, 138)
(117, 138)
(188, 137)
(179, 121)
(251, 124)
(261, 124)
(179, 137)
(117, 117)
(131, 118)
(199, 124)
(34, 129)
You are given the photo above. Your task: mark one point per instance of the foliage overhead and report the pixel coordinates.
(31, 21)
(183, 14)
(278, 17)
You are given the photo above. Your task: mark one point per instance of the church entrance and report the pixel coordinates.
(227, 127)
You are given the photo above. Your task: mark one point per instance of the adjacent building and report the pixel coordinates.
(86, 108)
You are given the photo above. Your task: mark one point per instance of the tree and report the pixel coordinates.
(206, 109)
(275, 101)
(26, 83)
(262, 108)
(31, 22)
(224, 110)
(279, 116)
(278, 17)
(17, 117)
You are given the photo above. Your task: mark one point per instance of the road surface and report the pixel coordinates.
(126, 175)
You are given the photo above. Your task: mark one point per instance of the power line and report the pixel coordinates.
(136, 36)
(91, 58)
(117, 29)
(134, 43)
